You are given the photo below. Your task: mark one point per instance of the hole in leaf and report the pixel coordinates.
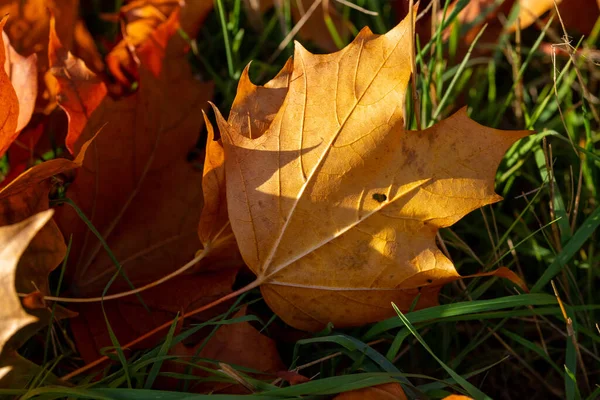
(379, 197)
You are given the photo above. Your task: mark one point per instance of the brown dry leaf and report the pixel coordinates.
(43, 171)
(20, 371)
(85, 47)
(387, 391)
(136, 185)
(129, 319)
(47, 249)
(28, 25)
(14, 239)
(80, 90)
(292, 377)
(530, 11)
(335, 207)
(237, 344)
(22, 72)
(28, 28)
(141, 18)
(22, 198)
(571, 13)
(496, 13)
(9, 103)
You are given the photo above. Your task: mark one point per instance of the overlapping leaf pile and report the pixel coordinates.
(316, 183)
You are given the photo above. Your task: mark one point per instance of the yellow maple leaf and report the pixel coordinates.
(335, 206)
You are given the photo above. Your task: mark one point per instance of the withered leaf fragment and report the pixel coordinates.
(13, 242)
(22, 72)
(9, 103)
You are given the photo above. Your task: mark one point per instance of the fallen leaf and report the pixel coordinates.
(335, 207)
(129, 319)
(494, 14)
(20, 371)
(530, 12)
(140, 19)
(237, 344)
(242, 345)
(22, 72)
(293, 378)
(47, 249)
(23, 197)
(570, 13)
(21, 154)
(80, 90)
(28, 28)
(14, 240)
(136, 185)
(9, 102)
(387, 391)
(85, 47)
(43, 171)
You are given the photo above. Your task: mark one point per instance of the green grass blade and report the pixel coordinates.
(532, 347)
(164, 349)
(558, 203)
(571, 247)
(458, 74)
(109, 252)
(472, 390)
(572, 392)
(458, 7)
(228, 54)
(595, 394)
(509, 98)
(333, 385)
(460, 309)
(352, 344)
(117, 348)
(447, 382)
(63, 268)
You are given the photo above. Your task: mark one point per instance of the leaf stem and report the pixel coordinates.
(150, 285)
